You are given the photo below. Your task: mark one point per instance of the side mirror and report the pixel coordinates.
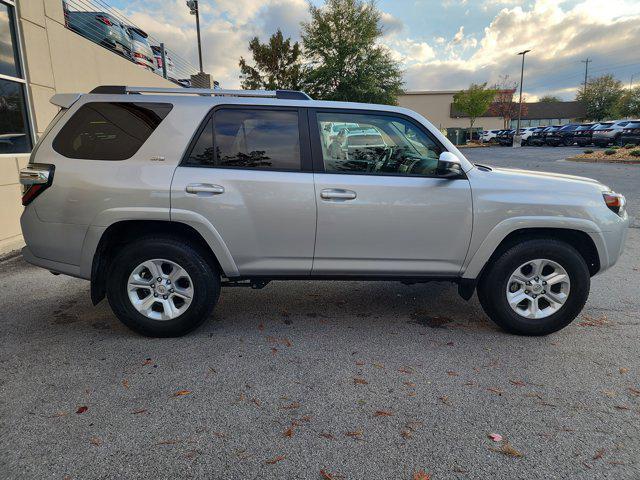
(449, 165)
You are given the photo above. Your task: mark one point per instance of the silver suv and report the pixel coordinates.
(160, 197)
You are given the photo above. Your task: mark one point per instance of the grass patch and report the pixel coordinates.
(610, 151)
(635, 153)
(629, 146)
(588, 151)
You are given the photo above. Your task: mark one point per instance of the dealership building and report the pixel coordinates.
(437, 106)
(40, 57)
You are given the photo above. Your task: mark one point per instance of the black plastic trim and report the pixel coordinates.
(110, 89)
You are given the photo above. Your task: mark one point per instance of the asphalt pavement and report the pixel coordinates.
(333, 380)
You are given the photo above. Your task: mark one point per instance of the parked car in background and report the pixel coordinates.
(171, 72)
(536, 138)
(140, 49)
(160, 241)
(505, 137)
(488, 136)
(631, 133)
(562, 135)
(582, 134)
(526, 133)
(608, 133)
(101, 28)
(549, 132)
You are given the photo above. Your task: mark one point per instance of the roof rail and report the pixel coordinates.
(279, 94)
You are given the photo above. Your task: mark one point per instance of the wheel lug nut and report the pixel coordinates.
(168, 282)
(537, 278)
(153, 285)
(155, 294)
(165, 297)
(534, 295)
(526, 291)
(171, 290)
(159, 279)
(528, 283)
(544, 283)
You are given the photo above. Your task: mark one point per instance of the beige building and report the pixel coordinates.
(39, 57)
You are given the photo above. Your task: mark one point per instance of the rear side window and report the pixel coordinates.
(248, 138)
(109, 130)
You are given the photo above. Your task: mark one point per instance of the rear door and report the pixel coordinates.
(248, 173)
(382, 208)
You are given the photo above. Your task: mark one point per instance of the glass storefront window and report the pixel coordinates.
(15, 136)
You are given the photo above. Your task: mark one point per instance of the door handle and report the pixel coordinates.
(337, 194)
(204, 188)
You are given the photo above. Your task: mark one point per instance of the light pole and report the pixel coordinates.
(517, 138)
(193, 8)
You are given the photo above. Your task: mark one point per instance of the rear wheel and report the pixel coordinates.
(567, 142)
(162, 287)
(536, 287)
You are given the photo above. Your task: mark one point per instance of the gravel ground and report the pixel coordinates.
(356, 380)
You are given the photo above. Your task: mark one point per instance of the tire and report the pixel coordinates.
(493, 285)
(200, 276)
(567, 142)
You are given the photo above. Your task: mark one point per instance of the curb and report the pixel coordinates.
(602, 160)
(10, 255)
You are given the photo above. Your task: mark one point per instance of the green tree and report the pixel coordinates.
(345, 60)
(601, 97)
(474, 102)
(550, 99)
(629, 103)
(277, 64)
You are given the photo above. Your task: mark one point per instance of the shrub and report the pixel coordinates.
(610, 151)
(615, 147)
(629, 145)
(635, 153)
(588, 151)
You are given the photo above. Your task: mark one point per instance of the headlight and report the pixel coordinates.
(615, 202)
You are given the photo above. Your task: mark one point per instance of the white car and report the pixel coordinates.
(526, 133)
(141, 52)
(488, 136)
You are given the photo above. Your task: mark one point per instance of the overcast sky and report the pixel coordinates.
(442, 45)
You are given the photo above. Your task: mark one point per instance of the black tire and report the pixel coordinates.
(493, 286)
(205, 279)
(567, 142)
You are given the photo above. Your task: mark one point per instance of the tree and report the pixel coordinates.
(345, 60)
(503, 105)
(629, 103)
(278, 64)
(600, 97)
(474, 102)
(550, 99)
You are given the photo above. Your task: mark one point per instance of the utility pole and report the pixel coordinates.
(517, 138)
(193, 7)
(586, 71)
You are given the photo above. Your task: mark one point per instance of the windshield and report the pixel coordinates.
(603, 126)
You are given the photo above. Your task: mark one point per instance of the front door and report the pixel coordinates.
(382, 209)
(248, 173)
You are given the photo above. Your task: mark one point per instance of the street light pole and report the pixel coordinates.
(193, 7)
(517, 139)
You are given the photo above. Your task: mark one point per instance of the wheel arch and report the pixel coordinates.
(125, 231)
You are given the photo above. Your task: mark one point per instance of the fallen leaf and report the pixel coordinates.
(622, 407)
(609, 393)
(406, 434)
(219, 434)
(507, 449)
(496, 437)
(378, 365)
(125, 383)
(182, 393)
(142, 410)
(359, 363)
(291, 406)
(82, 409)
(256, 402)
(59, 414)
(274, 350)
(599, 454)
(517, 383)
(275, 460)
(421, 475)
(406, 370)
(288, 432)
(411, 394)
(148, 361)
(445, 399)
(95, 441)
(326, 475)
(634, 391)
(286, 342)
(168, 442)
(327, 436)
(382, 413)
(497, 391)
(409, 384)
(594, 322)
(451, 373)
(624, 370)
(355, 434)
(360, 381)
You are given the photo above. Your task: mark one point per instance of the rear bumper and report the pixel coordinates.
(57, 267)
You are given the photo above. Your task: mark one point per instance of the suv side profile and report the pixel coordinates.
(160, 197)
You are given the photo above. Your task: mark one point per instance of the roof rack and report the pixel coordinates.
(279, 94)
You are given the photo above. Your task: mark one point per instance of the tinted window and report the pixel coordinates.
(377, 145)
(14, 133)
(249, 138)
(603, 126)
(8, 53)
(109, 131)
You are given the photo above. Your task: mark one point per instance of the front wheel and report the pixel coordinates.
(536, 287)
(162, 287)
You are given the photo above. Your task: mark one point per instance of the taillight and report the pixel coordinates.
(104, 20)
(615, 201)
(35, 179)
